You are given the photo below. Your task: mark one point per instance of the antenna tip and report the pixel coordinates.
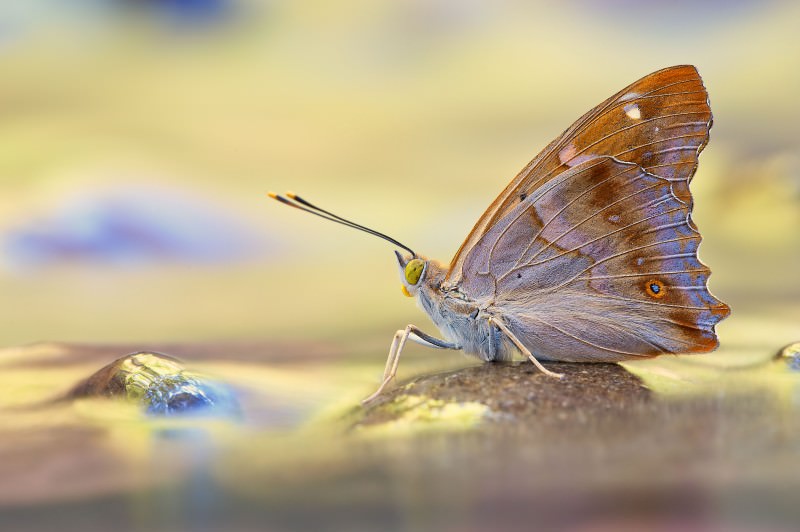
(291, 194)
(272, 195)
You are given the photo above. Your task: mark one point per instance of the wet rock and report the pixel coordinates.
(512, 393)
(791, 354)
(160, 383)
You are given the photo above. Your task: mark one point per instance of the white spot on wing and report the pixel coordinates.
(632, 110)
(629, 96)
(567, 153)
(570, 157)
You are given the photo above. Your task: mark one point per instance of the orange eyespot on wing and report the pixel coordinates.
(655, 288)
(600, 264)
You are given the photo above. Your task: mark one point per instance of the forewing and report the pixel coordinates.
(598, 264)
(660, 123)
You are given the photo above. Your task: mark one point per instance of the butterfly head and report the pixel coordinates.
(412, 272)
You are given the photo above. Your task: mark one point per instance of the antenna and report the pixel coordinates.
(293, 200)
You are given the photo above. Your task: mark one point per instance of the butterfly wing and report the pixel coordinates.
(598, 264)
(660, 122)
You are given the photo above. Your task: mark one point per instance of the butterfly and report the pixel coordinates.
(589, 254)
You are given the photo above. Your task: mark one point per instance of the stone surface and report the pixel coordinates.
(160, 384)
(791, 355)
(518, 392)
(684, 441)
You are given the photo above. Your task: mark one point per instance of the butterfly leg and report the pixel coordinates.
(525, 351)
(415, 334)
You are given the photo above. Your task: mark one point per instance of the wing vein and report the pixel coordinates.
(626, 252)
(581, 195)
(583, 341)
(605, 235)
(646, 274)
(602, 110)
(658, 141)
(620, 130)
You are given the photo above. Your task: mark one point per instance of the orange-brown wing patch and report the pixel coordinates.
(600, 262)
(660, 123)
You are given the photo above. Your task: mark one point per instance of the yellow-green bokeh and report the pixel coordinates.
(406, 116)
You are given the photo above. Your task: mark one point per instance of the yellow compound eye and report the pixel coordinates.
(414, 271)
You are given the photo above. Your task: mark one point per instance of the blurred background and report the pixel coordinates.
(138, 139)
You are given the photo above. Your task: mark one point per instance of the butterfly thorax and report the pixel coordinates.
(460, 319)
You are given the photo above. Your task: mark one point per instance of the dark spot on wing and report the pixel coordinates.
(655, 289)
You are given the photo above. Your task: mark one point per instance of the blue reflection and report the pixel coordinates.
(132, 226)
(178, 394)
(187, 12)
